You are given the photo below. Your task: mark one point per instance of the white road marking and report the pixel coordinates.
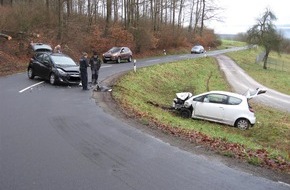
(281, 182)
(153, 60)
(106, 66)
(29, 87)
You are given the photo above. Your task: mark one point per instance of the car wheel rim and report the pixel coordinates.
(52, 79)
(29, 72)
(243, 124)
(119, 60)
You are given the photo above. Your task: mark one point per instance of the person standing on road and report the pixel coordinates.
(83, 69)
(95, 64)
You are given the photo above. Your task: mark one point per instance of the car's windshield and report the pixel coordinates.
(63, 61)
(115, 49)
(196, 47)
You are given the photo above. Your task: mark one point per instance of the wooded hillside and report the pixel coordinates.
(86, 25)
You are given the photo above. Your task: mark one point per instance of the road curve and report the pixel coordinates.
(240, 81)
(58, 137)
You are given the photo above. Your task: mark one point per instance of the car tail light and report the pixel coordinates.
(251, 109)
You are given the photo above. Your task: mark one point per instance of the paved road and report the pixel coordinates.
(241, 82)
(59, 138)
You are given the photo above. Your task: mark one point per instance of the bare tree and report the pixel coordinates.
(264, 33)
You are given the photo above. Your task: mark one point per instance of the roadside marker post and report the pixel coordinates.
(135, 65)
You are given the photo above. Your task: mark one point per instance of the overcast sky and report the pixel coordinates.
(240, 15)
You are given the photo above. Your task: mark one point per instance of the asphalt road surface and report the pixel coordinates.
(59, 138)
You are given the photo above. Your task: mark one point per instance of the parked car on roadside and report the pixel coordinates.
(197, 49)
(218, 106)
(117, 54)
(54, 67)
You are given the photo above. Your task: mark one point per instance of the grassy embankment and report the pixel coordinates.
(145, 92)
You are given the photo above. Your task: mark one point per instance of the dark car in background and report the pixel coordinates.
(117, 54)
(38, 47)
(197, 49)
(54, 67)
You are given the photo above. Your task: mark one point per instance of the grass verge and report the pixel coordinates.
(147, 93)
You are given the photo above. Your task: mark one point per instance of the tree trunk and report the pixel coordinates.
(115, 10)
(197, 13)
(180, 13)
(191, 17)
(59, 34)
(173, 11)
(266, 59)
(109, 16)
(202, 18)
(68, 7)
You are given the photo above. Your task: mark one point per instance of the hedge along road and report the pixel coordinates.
(56, 137)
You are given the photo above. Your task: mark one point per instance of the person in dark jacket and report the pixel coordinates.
(95, 64)
(83, 69)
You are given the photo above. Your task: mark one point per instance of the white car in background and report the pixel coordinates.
(218, 106)
(197, 49)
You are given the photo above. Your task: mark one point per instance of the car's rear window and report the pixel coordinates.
(234, 101)
(42, 50)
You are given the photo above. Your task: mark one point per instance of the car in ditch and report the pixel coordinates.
(218, 106)
(118, 54)
(54, 67)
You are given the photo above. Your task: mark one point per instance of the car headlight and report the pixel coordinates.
(61, 72)
(186, 104)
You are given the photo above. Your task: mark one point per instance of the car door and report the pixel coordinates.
(45, 66)
(37, 63)
(123, 53)
(232, 109)
(212, 107)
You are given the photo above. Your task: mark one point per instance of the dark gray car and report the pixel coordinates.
(55, 67)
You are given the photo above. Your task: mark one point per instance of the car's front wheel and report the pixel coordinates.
(185, 113)
(52, 79)
(30, 73)
(130, 59)
(242, 124)
(119, 60)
